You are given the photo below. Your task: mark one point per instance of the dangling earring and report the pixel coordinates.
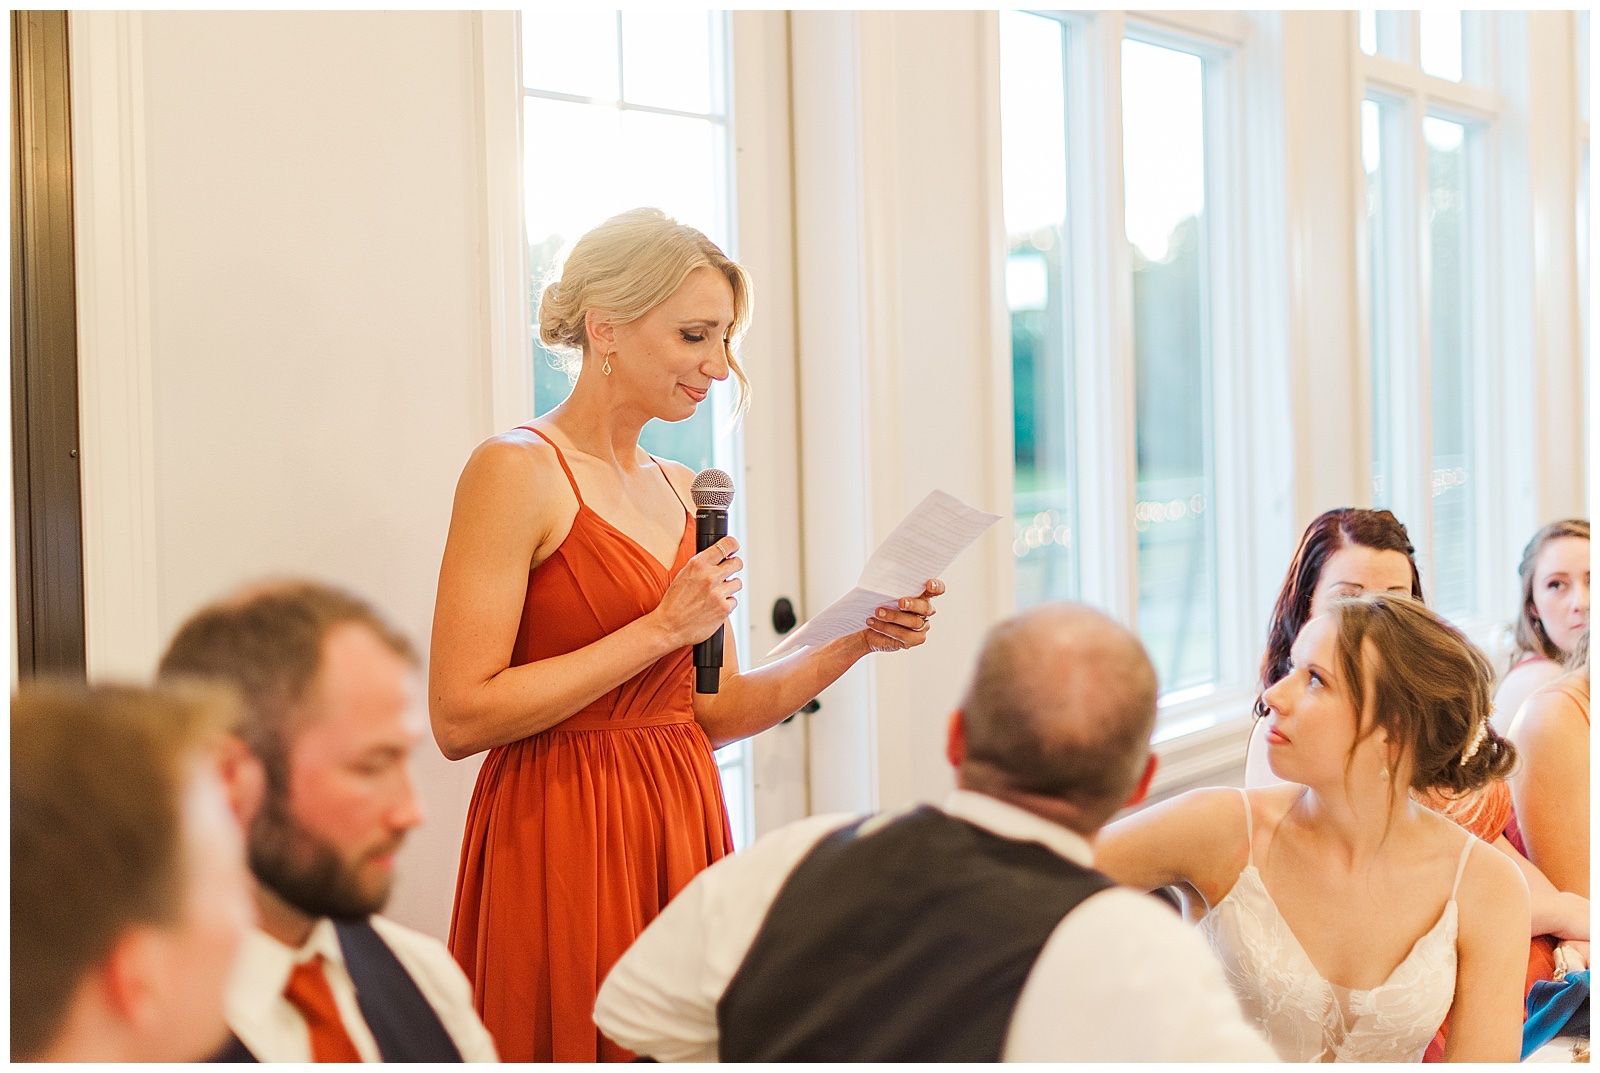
(606, 367)
(1384, 774)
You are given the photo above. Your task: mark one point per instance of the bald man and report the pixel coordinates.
(974, 931)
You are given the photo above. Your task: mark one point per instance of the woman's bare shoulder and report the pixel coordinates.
(519, 457)
(1559, 708)
(1492, 888)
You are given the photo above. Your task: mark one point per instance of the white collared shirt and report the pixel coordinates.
(1122, 977)
(274, 1031)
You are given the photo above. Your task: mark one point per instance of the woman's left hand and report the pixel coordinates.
(894, 628)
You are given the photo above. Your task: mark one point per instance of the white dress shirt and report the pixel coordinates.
(1122, 977)
(274, 1031)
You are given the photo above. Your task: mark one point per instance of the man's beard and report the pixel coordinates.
(306, 871)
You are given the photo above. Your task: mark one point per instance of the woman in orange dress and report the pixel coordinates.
(1350, 551)
(570, 596)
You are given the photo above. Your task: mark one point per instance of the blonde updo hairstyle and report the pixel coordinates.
(626, 267)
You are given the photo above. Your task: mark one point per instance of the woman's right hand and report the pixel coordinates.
(701, 597)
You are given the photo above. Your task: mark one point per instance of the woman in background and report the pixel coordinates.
(1351, 919)
(569, 598)
(1346, 551)
(1555, 609)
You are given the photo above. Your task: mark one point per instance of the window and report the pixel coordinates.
(1033, 119)
(1164, 182)
(1117, 455)
(1455, 474)
(1425, 125)
(606, 92)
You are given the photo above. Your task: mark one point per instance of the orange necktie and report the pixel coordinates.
(308, 992)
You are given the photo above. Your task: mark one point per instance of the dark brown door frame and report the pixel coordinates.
(47, 497)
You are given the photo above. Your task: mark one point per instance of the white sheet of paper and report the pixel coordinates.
(922, 546)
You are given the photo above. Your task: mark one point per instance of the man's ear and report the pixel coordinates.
(1142, 791)
(602, 333)
(243, 776)
(955, 743)
(127, 978)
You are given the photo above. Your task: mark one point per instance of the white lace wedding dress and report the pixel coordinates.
(1308, 1019)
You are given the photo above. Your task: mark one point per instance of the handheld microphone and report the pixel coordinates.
(712, 492)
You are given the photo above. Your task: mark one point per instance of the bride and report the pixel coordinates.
(1349, 918)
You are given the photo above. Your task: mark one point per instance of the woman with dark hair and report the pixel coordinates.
(1343, 552)
(1350, 919)
(1554, 573)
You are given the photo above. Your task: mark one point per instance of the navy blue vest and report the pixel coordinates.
(908, 941)
(405, 1027)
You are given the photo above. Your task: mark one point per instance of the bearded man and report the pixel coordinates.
(328, 691)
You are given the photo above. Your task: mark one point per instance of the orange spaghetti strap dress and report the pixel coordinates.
(577, 836)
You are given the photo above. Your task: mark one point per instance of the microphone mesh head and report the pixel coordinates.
(712, 489)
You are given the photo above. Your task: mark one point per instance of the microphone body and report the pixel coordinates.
(710, 526)
(713, 494)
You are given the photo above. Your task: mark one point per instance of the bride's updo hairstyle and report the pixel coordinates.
(1427, 686)
(626, 267)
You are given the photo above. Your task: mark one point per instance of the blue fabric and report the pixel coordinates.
(1556, 1008)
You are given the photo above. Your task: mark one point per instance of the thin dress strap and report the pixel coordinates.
(675, 492)
(1461, 866)
(1249, 829)
(559, 458)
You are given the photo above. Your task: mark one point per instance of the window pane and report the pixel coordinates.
(1452, 369)
(671, 59)
(570, 53)
(1386, 33)
(1441, 44)
(1380, 235)
(1034, 169)
(1164, 170)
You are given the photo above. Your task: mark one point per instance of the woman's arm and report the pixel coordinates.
(509, 497)
(1491, 958)
(1550, 788)
(1196, 839)
(750, 702)
(1554, 912)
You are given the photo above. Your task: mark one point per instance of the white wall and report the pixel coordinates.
(316, 331)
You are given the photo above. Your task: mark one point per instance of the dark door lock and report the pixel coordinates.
(808, 707)
(783, 616)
